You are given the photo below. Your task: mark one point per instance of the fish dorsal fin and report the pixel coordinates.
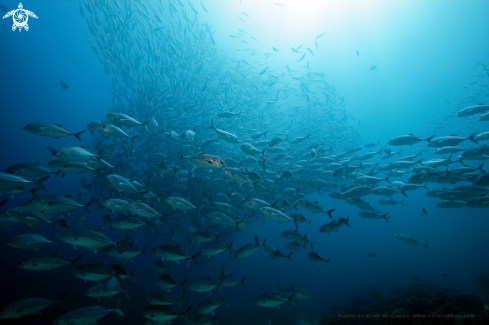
(82, 147)
(316, 202)
(68, 196)
(178, 246)
(54, 255)
(292, 285)
(37, 163)
(453, 135)
(412, 235)
(60, 125)
(98, 229)
(100, 264)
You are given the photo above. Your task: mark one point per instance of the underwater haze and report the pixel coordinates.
(244, 162)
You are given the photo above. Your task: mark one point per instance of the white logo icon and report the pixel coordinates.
(20, 17)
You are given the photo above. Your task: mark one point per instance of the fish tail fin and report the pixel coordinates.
(77, 135)
(141, 194)
(144, 250)
(229, 247)
(312, 245)
(212, 125)
(220, 282)
(184, 313)
(330, 212)
(426, 245)
(145, 124)
(402, 202)
(59, 174)
(430, 138)
(117, 309)
(193, 258)
(279, 289)
(327, 261)
(179, 301)
(387, 179)
(40, 181)
(133, 275)
(288, 256)
(60, 299)
(386, 218)
(125, 291)
(86, 206)
(132, 140)
(480, 168)
(310, 221)
(76, 260)
(472, 137)
(181, 284)
(336, 195)
(224, 301)
(33, 191)
(404, 193)
(291, 301)
(242, 280)
(215, 319)
(461, 160)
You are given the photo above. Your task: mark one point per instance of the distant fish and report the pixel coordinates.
(263, 71)
(302, 58)
(445, 275)
(310, 51)
(371, 255)
(280, 4)
(415, 279)
(244, 14)
(320, 35)
(373, 67)
(3, 8)
(358, 53)
(55, 131)
(275, 49)
(424, 211)
(203, 7)
(64, 85)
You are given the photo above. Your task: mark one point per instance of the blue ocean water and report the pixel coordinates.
(396, 68)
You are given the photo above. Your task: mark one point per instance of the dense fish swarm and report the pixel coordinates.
(197, 147)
